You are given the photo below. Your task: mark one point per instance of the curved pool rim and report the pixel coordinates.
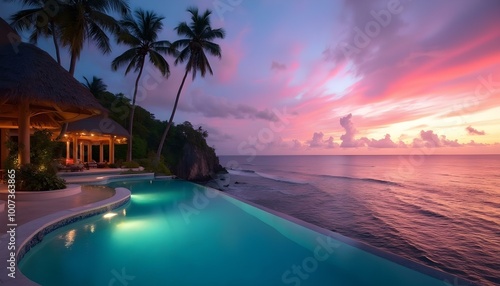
(447, 278)
(30, 234)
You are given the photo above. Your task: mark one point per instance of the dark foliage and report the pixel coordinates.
(41, 173)
(147, 133)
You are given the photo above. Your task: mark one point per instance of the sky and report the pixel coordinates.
(330, 77)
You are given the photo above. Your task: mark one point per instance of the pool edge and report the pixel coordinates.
(448, 279)
(30, 234)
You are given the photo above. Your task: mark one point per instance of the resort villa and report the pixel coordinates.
(56, 102)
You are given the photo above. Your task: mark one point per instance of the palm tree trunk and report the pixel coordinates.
(54, 38)
(72, 63)
(164, 136)
(132, 112)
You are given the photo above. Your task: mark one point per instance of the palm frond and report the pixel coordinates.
(99, 37)
(180, 44)
(124, 37)
(184, 54)
(164, 47)
(120, 6)
(86, 83)
(127, 56)
(184, 30)
(213, 48)
(159, 61)
(34, 37)
(210, 34)
(198, 40)
(128, 23)
(104, 21)
(24, 19)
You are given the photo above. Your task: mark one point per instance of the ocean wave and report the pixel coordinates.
(252, 173)
(362, 179)
(281, 179)
(242, 172)
(429, 213)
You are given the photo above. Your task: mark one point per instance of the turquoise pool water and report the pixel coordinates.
(177, 233)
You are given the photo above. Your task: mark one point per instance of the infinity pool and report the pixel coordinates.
(177, 233)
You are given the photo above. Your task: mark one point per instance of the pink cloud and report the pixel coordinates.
(386, 142)
(233, 51)
(318, 141)
(430, 140)
(473, 131)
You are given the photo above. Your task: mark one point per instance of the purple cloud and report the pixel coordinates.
(473, 131)
(348, 140)
(386, 142)
(429, 139)
(318, 141)
(278, 66)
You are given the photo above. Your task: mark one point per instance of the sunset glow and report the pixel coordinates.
(400, 75)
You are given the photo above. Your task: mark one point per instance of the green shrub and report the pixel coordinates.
(31, 178)
(119, 162)
(130, 165)
(112, 165)
(159, 168)
(41, 173)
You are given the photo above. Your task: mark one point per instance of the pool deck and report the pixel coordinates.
(27, 211)
(34, 218)
(42, 208)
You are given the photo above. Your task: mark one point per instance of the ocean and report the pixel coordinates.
(439, 210)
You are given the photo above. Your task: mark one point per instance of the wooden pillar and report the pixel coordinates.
(101, 152)
(112, 151)
(24, 132)
(67, 151)
(81, 152)
(4, 152)
(89, 152)
(75, 148)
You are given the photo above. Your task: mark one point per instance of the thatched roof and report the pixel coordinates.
(101, 125)
(8, 35)
(29, 73)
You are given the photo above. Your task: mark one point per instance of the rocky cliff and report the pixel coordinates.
(188, 155)
(196, 164)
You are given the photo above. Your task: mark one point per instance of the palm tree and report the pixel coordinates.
(41, 18)
(141, 35)
(96, 86)
(198, 40)
(82, 20)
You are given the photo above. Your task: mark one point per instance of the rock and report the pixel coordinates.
(197, 164)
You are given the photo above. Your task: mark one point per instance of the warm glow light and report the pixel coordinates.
(91, 134)
(99, 178)
(132, 225)
(90, 227)
(109, 215)
(70, 238)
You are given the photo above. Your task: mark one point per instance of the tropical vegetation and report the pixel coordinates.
(71, 23)
(41, 173)
(141, 35)
(198, 40)
(31, 19)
